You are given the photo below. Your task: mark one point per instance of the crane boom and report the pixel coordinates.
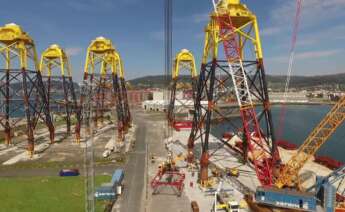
(314, 141)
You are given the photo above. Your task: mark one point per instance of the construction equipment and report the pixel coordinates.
(285, 198)
(21, 84)
(331, 181)
(168, 175)
(233, 172)
(323, 191)
(224, 204)
(289, 174)
(332, 178)
(239, 74)
(184, 61)
(288, 184)
(59, 86)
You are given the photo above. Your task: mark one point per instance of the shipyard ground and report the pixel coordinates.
(45, 193)
(32, 174)
(34, 185)
(139, 171)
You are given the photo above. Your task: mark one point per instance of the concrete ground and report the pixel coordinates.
(134, 181)
(65, 153)
(139, 171)
(166, 200)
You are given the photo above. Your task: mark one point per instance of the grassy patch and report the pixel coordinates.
(49, 194)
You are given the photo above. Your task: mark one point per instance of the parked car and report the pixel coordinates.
(69, 172)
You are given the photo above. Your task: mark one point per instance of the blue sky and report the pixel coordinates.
(136, 29)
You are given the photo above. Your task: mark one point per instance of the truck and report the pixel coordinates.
(230, 206)
(117, 179)
(117, 176)
(105, 193)
(234, 206)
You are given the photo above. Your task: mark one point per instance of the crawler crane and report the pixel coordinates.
(234, 28)
(288, 177)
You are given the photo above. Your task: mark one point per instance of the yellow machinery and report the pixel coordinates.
(245, 27)
(233, 172)
(184, 60)
(288, 176)
(54, 59)
(289, 173)
(22, 81)
(104, 85)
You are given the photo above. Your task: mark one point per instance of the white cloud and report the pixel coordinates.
(73, 51)
(317, 54)
(314, 13)
(307, 55)
(319, 37)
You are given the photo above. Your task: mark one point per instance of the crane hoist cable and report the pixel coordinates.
(290, 67)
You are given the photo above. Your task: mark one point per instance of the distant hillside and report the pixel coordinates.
(275, 82)
(322, 81)
(158, 81)
(56, 86)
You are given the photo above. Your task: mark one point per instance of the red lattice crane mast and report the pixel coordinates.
(234, 28)
(252, 132)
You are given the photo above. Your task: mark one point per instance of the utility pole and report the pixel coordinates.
(89, 153)
(168, 56)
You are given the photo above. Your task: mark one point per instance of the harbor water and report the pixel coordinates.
(299, 121)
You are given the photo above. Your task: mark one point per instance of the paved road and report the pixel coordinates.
(137, 196)
(134, 182)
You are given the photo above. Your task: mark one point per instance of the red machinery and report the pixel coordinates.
(234, 28)
(168, 175)
(173, 179)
